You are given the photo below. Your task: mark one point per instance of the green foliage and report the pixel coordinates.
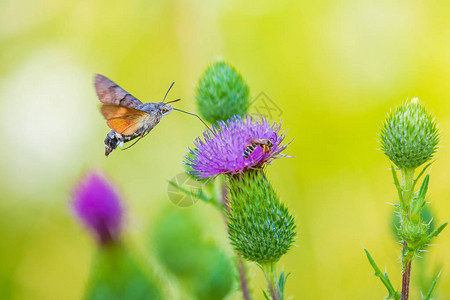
(281, 285)
(431, 290)
(260, 226)
(414, 234)
(418, 202)
(196, 193)
(393, 294)
(425, 214)
(202, 267)
(222, 93)
(414, 222)
(409, 136)
(282, 282)
(116, 275)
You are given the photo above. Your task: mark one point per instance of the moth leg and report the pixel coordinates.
(144, 133)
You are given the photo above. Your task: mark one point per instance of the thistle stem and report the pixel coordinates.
(407, 192)
(405, 280)
(270, 272)
(405, 206)
(243, 279)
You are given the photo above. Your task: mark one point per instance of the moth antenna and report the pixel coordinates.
(173, 101)
(195, 116)
(168, 91)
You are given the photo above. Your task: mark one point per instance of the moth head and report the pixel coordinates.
(165, 109)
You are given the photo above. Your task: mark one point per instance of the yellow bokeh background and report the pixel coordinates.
(335, 68)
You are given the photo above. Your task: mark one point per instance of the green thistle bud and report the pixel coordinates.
(202, 266)
(425, 214)
(409, 136)
(116, 274)
(260, 226)
(414, 234)
(222, 93)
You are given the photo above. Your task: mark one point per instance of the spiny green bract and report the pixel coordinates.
(222, 93)
(426, 216)
(260, 226)
(414, 233)
(409, 136)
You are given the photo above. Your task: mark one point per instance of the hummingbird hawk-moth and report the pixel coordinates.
(128, 117)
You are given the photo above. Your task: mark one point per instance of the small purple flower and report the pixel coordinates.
(98, 206)
(222, 150)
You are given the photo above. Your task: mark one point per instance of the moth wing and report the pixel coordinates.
(109, 92)
(123, 120)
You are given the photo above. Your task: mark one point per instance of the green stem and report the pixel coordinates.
(270, 272)
(405, 206)
(407, 191)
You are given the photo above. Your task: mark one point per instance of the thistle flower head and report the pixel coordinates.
(409, 136)
(260, 226)
(98, 207)
(222, 93)
(221, 151)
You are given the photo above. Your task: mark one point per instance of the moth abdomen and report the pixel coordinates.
(114, 140)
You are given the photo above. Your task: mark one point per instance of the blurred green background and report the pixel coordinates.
(334, 68)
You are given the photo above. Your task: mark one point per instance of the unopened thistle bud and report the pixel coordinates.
(222, 93)
(260, 226)
(117, 274)
(409, 136)
(182, 250)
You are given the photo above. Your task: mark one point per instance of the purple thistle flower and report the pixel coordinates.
(98, 206)
(221, 151)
